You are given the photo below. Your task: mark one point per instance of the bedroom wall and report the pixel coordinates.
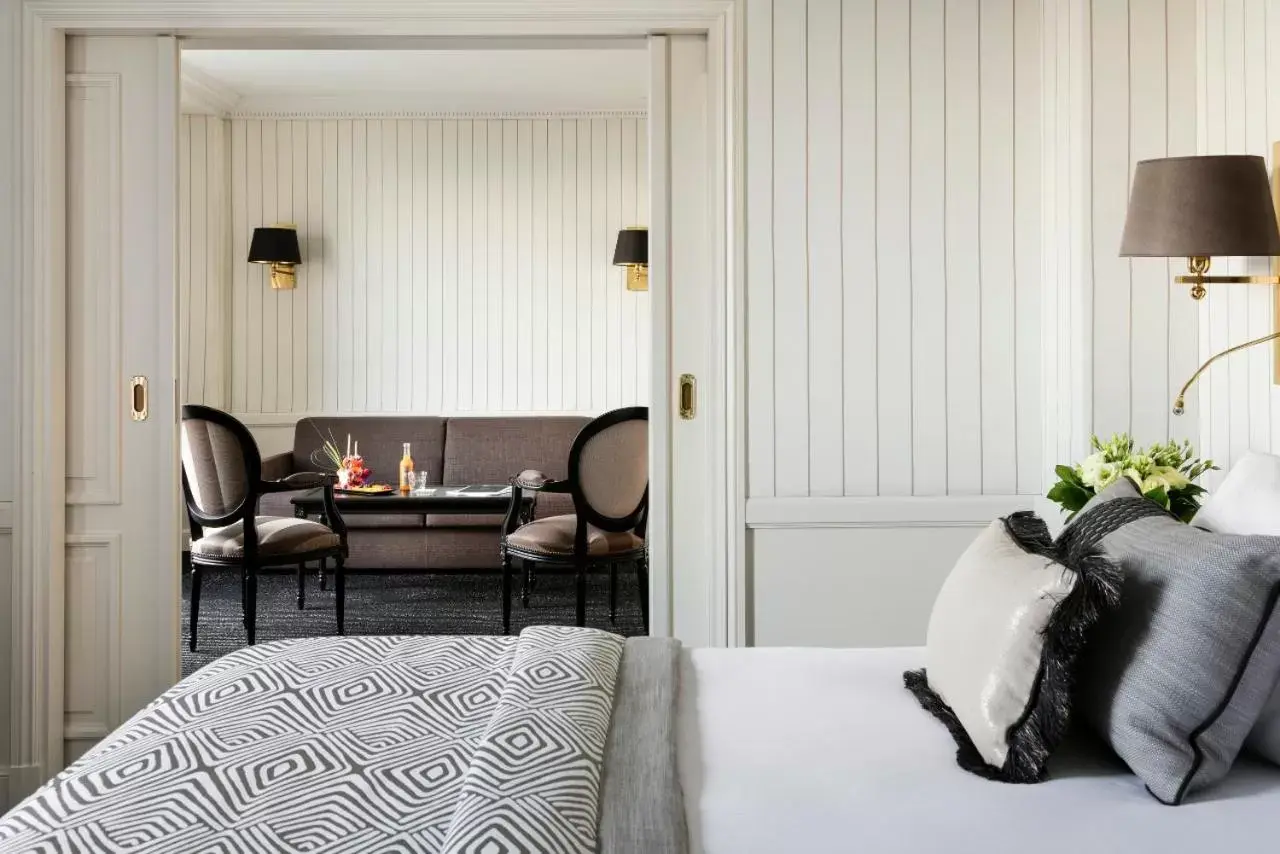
(493, 236)
(1238, 98)
(949, 318)
(893, 181)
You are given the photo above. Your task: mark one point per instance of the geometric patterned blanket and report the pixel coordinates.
(369, 744)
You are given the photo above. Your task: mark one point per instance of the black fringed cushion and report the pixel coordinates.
(1006, 631)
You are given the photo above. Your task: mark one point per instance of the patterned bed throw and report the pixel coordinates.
(396, 744)
(534, 782)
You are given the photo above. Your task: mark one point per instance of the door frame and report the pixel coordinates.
(37, 651)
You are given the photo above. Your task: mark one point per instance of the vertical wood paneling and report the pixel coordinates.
(997, 257)
(971, 234)
(825, 296)
(894, 193)
(893, 247)
(790, 215)
(859, 270)
(1027, 201)
(1150, 286)
(448, 264)
(928, 232)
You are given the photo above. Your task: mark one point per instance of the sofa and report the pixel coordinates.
(451, 451)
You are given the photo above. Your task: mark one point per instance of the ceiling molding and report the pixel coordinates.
(203, 94)
(437, 114)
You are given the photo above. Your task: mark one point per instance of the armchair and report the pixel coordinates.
(609, 483)
(222, 483)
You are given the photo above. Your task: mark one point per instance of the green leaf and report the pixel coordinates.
(1070, 496)
(1159, 496)
(1069, 475)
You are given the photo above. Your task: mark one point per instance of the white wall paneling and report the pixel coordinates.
(1238, 110)
(1119, 337)
(893, 213)
(204, 269)
(449, 264)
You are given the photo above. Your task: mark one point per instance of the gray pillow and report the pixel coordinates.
(1176, 676)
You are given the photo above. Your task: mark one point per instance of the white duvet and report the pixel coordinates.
(807, 750)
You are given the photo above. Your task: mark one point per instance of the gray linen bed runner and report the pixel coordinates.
(557, 742)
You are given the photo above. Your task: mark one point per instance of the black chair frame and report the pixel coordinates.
(246, 513)
(579, 562)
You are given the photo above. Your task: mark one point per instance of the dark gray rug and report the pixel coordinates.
(400, 604)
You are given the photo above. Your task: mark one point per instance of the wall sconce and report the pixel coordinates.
(277, 246)
(1196, 208)
(632, 251)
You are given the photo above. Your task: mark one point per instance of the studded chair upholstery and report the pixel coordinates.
(609, 484)
(222, 482)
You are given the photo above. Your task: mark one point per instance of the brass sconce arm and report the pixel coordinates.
(1198, 276)
(1179, 402)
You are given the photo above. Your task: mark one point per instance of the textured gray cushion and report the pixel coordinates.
(277, 537)
(1175, 678)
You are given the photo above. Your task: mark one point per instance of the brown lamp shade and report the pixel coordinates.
(1184, 207)
(274, 245)
(632, 247)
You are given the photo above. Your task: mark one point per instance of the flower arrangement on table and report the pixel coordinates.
(1164, 473)
(349, 466)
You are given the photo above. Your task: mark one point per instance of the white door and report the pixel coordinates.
(122, 566)
(687, 372)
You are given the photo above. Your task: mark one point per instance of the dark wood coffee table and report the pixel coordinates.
(477, 498)
(484, 498)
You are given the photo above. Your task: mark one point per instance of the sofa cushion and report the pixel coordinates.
(493, 450)
(381, 439)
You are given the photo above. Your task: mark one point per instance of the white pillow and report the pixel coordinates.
(1004, 636)
(1247, 501)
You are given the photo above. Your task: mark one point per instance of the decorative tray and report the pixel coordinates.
(371, 489)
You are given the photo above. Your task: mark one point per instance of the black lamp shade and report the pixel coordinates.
(632, 247)
(274, 246)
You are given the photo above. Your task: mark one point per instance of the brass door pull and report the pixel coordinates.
(688, 397)
(138, 398)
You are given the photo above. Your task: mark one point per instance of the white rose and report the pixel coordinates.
(1108, 474)
(1165, 477)
(1090, 469)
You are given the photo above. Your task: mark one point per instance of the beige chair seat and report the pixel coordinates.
(278, 536)
(554, 536)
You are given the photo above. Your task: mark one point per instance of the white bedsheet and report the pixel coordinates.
(815, 750)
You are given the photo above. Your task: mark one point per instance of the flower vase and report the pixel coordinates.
(344, 478)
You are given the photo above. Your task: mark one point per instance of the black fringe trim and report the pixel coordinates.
(1047, 716)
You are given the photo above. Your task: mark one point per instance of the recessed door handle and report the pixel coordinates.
(138, 398)
(688, 396)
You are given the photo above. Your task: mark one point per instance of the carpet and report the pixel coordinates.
(393, 604)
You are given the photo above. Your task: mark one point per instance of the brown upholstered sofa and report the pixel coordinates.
(452, 451)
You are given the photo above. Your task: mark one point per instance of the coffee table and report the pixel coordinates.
(478, 498)
(485, 498)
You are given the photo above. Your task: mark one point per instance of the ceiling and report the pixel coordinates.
(535, 80)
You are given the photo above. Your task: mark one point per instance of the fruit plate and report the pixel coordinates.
(371, 489)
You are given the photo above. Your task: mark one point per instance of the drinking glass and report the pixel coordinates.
(410, 481)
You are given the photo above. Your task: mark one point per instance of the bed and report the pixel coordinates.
(452, 744)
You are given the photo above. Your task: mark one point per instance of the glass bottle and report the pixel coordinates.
(406, 468)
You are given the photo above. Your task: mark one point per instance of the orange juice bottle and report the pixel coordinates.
(406, 469)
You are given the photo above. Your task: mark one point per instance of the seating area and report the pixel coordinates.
(515, 496)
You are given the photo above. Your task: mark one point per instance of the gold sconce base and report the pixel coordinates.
(283, 277)
(637, 278)
(1197, 278)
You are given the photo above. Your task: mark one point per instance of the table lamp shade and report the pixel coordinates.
(1185, 207)
(632, 247)
(274, 245)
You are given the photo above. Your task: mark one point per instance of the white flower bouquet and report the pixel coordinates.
(1163, 473)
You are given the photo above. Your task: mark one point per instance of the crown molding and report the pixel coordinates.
(203, 94)
(478, 115)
